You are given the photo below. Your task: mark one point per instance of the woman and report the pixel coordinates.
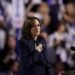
(32, 48)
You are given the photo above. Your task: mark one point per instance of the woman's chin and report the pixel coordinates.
(37, 34)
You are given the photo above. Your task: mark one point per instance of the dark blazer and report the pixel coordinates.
(32, 62)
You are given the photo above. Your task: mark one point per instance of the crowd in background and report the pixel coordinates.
(58, 28)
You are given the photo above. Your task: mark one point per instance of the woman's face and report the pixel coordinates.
(12, 42)
(46, 19)
(70, 9)
(35, 30)
(62, 28)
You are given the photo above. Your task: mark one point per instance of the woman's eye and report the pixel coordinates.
(36, 25)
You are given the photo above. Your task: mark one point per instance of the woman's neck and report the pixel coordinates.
(34, 37)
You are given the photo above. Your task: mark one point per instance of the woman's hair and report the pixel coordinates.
(28, 24)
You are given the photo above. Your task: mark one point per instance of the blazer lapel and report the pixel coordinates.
(31, 45)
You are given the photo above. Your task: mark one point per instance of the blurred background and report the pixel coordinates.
(58, 28)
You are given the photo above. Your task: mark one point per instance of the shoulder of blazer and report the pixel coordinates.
(22, 43)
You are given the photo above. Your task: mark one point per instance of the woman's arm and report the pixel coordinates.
(26, 59)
